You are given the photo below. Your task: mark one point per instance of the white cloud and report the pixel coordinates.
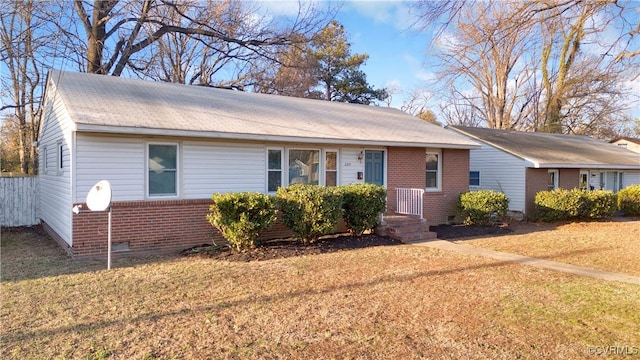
(427, 76)
(634, 99)
(393, 86)
(283, 7)
(396, 13)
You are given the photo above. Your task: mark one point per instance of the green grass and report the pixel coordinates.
(386, 302)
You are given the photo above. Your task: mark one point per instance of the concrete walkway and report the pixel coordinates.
(526, 260)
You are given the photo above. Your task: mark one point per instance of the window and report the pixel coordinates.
(331, 168)
(552, 182)
(620, 181)
(433, 171)
(614, 181)
(60, 157)
(163, 169)
(474, 178)
(583, 182)
(304, 166)
(45, 160)
(274, 170)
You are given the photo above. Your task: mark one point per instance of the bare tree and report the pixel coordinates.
(537, 65)
(141, 24)
(486, 53)
(22, 36)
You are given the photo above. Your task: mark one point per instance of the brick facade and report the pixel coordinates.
(151, 227)
(407, 170)
(174, 225)
(537, 180)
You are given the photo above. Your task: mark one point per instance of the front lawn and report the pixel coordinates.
(612, 245)
(386, 302)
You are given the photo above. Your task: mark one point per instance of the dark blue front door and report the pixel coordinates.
(374, 167)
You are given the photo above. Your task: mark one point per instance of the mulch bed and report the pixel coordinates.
(283, 248)
(450, 232)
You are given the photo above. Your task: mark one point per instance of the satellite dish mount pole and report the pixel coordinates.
(109, 241)
(99, 199)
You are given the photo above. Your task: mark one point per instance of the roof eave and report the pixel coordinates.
(536, 165)
(259, 137)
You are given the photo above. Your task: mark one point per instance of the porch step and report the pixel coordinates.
(407, 229)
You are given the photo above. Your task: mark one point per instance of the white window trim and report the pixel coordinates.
(45, 161)
(556, 179)
(286, 162)
(282, 168)
(439, 171)
(479, 179)
(587, 185)
(178, 171)
(323, 166)
(620, 180)
(284, 175)
(59, 157)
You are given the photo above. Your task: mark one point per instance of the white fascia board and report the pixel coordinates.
(531, 164)
(257, 137)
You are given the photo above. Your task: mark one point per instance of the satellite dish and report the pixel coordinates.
(99, 197)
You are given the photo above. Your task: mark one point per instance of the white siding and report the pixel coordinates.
(502, 172)
(630, 177)
(208, 168)
(54, 185)
(350, 166)
(120, 160)
(205, 167)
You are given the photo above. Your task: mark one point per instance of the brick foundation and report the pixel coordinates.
(151, 227)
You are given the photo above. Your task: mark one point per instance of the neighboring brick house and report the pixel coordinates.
(521, 164)
(166, 148)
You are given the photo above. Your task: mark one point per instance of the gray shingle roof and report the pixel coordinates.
(556, 150)
(119, 105)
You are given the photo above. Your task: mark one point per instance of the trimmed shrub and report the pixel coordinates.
(629, 200)
(598, 204)
(563, 204)
(310, 211)
(362, 205)
(481, 207)
(241, 216)
(558, 204)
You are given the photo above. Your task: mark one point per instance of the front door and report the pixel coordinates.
(374, 167)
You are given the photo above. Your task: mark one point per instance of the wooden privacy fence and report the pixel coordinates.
(18, 201)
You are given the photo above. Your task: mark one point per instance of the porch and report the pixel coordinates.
(407, 224)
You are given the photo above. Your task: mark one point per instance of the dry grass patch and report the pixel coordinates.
(385, 302)
(604, 245)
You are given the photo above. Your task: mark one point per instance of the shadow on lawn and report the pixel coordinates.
(471, 232)
(249, 299)
(30, 253)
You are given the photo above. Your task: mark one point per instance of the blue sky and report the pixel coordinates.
(381, 29)
(397, 53)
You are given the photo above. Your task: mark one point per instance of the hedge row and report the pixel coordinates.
(563, 204)
(310, 211)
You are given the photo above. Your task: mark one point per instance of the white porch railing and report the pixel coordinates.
(409, 201)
